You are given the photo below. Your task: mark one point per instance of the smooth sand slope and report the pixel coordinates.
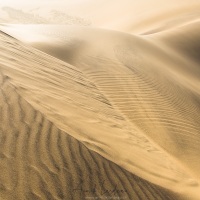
(123, 97)
(38, 159)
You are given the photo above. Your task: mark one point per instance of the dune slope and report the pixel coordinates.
(119, 98)
(38, 159)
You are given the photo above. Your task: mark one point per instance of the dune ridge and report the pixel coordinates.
(106, 107)
(133, 132)
(40, 161)
(119, 61)
(45, 162)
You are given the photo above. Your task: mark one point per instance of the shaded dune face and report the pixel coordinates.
(38, 159)
(185, 40)
(168, 19)
(122, 98)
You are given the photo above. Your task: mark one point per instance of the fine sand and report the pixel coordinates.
(93, 113)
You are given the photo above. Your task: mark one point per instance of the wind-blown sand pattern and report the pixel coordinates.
(89, 112)
(39, 161)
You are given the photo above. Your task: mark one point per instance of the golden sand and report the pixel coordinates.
(110, 110)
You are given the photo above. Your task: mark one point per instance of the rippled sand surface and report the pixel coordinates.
(109, 110)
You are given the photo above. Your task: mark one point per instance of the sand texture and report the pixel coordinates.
(101, 109)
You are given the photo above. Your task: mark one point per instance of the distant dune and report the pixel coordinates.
(90, 112)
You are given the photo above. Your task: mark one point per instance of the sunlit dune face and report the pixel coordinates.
(102, 93)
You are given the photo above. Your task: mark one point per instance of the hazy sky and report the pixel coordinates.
(11, 2)
(69, 5)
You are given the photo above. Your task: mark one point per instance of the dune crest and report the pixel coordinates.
(100, 100)
(40, 161)
(110, 93)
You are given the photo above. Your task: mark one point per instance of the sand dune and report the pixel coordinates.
(114, 92)
(183, 40)
(88, 112)
(39, 161)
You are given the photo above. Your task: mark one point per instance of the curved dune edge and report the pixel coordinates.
(183, 40)
(131, 63)
(39, 161)
(21, 75)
